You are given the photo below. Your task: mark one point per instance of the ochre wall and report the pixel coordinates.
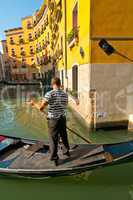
(111, 18)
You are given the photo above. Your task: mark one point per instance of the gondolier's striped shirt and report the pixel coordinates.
(57, 102)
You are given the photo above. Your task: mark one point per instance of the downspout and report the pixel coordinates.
(65, 37)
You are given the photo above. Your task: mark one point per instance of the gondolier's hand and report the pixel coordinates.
(31, 103)
(40, 106)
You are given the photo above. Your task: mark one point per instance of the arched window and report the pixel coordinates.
(75, 80)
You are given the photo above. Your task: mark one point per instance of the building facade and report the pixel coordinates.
(20, 45)
(62, 38)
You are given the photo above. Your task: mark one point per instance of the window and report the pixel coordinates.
(75, 80)
(48, 36)
(6, 48)
(75, 16)
(62, 77)
(23, 60)
(11, 40)
(13, 52)
(29, 25)
(61, 42)
(30, 36)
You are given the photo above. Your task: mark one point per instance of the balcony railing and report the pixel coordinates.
(12, 42)
(33, 65)
(23, 53)
(51, 6)
(58, 15)
(73, 36)
(21, 41)
(30, 39)
(29, 26)
(15, 67)
(13, 54)
(53, 36)
(32, 52)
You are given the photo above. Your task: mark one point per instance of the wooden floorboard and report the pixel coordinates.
(27, 159)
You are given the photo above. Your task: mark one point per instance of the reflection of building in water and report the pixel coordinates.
(62, 37)
(6, 68)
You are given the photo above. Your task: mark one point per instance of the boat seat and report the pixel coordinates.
(2, 138)
(31, 150)
(95, 151)
(6, 143)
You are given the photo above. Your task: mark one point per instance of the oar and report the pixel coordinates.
(78, 135)
(74, 132)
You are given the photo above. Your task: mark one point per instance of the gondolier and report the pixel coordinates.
(57, 101)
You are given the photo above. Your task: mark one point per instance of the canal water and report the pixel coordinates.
(18, 119)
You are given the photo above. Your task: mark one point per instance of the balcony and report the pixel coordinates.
(58, 54)
(42, 30)
(12, 42)
(32, 52)
(13, 54)
(56, 28)
(24, 66)
(46, 22)
(45, 60)
(30, 39)
(21, 41)
(73, 37)
(29, 26)
(37, 50)
(23, 53)
(35, 36)
(53, 36)
(51, 6)
(44, 46)
(15, 67)
(40, 49)
(58, 15)
(33, 65)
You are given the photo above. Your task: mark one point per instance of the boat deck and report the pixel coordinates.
(31, 159)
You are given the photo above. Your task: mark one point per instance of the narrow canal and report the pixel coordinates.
(17, 119)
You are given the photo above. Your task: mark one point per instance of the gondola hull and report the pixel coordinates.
(30, 158)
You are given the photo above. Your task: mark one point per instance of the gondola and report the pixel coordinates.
(30, 158)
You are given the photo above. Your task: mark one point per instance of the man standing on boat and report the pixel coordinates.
(57, 101)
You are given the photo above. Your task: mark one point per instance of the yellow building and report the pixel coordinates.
(20, 44)
(102, 84)
(42, 41)
(63, 37)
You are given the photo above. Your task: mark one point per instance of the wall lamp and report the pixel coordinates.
(109, 50)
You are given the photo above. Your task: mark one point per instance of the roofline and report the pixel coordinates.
(13, 29)
(26, 17)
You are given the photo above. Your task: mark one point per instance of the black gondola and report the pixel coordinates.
(30, 158)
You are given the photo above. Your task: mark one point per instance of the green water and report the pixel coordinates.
(109, 183)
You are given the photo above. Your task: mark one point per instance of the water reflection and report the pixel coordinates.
(17, 119)
(21, 120)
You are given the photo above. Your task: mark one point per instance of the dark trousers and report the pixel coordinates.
(57, 130)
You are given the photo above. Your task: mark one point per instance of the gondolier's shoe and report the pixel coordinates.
(66, 155)
(55, 161)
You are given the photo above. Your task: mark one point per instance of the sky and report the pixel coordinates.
(11, 12)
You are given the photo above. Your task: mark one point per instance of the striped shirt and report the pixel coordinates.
(57, 103)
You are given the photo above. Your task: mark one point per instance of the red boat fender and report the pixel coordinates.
(2, 138)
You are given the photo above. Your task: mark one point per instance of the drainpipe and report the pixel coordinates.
(65, 37)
